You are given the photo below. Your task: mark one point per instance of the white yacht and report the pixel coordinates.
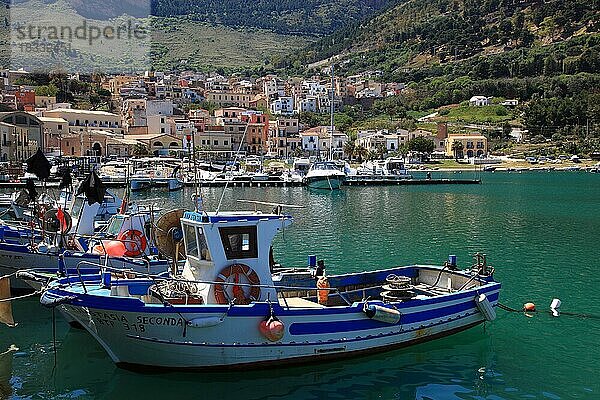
(324, 175)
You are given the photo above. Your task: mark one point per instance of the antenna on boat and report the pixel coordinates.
(237, 153)
(197, 195)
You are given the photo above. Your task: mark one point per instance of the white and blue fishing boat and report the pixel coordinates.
(324, 175)
(71, 240)
(231, 308)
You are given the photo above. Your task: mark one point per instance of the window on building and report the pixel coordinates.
(225, 142)
(215, 142)
(59, 127)
(239, 242)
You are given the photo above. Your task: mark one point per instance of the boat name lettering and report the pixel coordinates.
(332, 349)
(108, 316)
(160, 321)
(193, 216)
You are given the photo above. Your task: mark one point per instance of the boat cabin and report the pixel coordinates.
(228, 254)
(394, 166)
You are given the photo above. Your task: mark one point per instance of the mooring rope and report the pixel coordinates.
(21, 297)
(567, 313)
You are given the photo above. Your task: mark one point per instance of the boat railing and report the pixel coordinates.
(157, 278)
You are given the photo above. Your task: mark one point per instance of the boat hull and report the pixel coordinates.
(159, 336)
(324, 182)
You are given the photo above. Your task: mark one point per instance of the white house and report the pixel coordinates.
(308, 104)
(283, 105)
(479, 101)
(510, 102)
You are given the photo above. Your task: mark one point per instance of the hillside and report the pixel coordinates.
(304, 17)
(174, 43)
(432, 33)
(544, 53)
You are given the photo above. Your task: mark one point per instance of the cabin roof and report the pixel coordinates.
(232, 216)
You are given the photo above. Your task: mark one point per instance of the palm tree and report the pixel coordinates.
(457, 148)
(350, 149)
(361, 152)
(403, 150)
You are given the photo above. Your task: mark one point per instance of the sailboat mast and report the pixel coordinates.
(332, 113)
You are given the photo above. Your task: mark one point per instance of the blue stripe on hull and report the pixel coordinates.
(378, 336)
(314, 328)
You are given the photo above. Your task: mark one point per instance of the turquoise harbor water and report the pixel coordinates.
(540, 230)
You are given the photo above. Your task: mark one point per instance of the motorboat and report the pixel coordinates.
(324, 175)
(158, 174)
(301, 166)
(230, 308)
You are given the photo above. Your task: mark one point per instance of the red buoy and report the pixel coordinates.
(272, 328)
(528, 307)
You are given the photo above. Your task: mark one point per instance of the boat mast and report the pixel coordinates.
(332, 113)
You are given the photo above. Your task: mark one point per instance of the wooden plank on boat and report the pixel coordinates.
(297, 302)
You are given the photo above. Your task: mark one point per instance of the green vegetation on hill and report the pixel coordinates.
(306, 17)
(417, 33)
(546, 54)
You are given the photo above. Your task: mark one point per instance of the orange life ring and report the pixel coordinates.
(134, 241)
(240, 297)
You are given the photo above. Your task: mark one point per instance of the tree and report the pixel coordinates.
(457, 149)
(139, 149)
(46, 90)
(403, 151)
(421, 145)
(361, 152)
(350, 149)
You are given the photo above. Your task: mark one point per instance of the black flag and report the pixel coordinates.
(66, 180)
(39, 165)
(93, 188)
(30, 188)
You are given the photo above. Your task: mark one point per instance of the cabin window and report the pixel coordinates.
(77, 207)
(191, 243)
(114, 227)
(239, 242)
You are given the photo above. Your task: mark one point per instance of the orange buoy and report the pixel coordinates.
(113, 248)
(528, 307)
(238, 292)
(323, 292)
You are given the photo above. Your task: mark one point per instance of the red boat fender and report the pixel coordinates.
(113, 248)
(272, 328)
